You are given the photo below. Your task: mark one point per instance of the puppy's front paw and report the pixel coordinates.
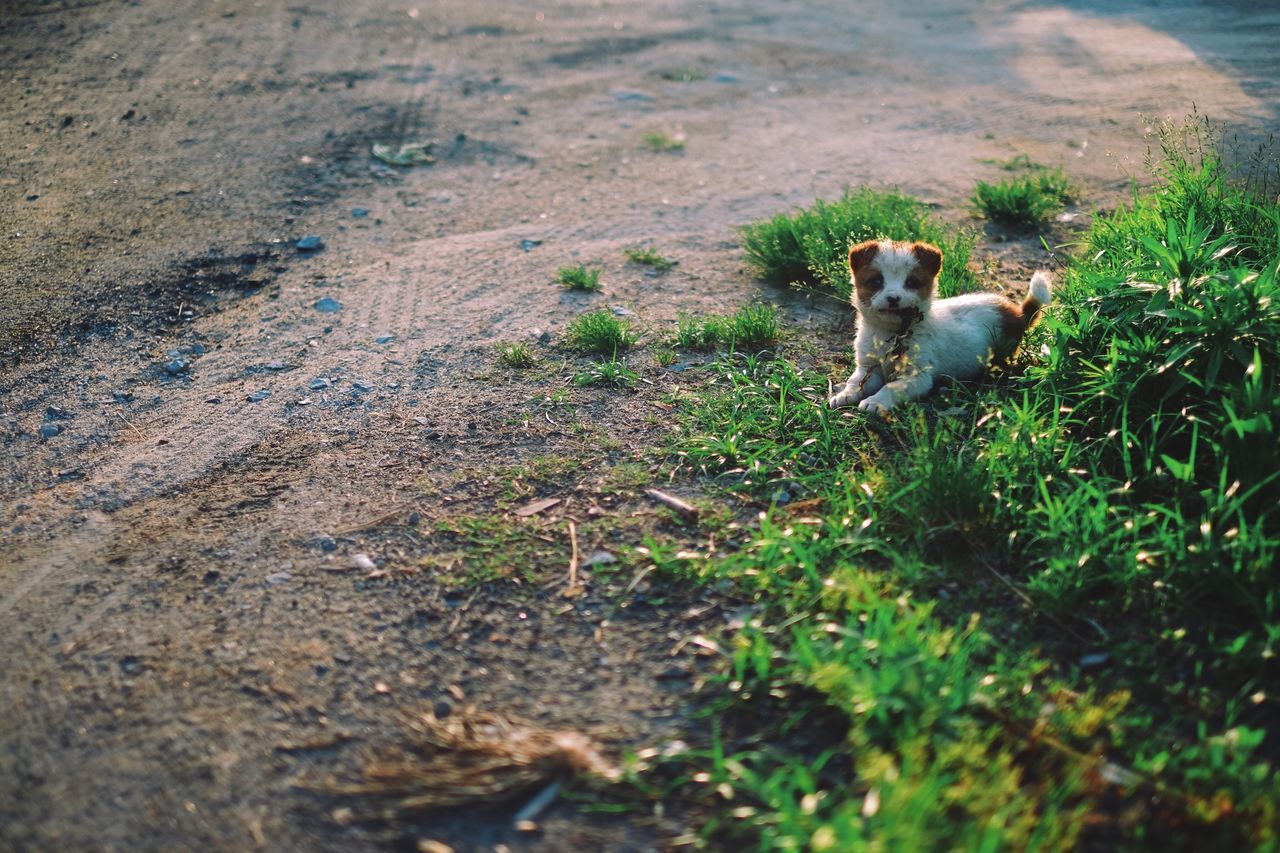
(844, 398)
(874, 406)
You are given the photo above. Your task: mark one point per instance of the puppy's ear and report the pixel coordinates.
(862, 254)
(928, 257)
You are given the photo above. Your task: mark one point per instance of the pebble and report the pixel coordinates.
(277, 578)
(726, 77)
(130, 664)
(362, 561)
(278, 365)
(328, 305)
(177, 367)
(310, 243)
(442, 709)
(625, 95)
(318, 384)
(598, 558)
(361, 388)
(384, 339)
(48, 430)
(258, 396)
(359, 212)
(414, 519)
(782, 497)
(530, 245)
(327, 544)
(619, 311)
(56, 413)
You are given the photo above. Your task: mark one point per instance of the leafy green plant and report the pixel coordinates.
(601, 333)
(579, 278)
(650, 257)
(811, 247)
(915, 672)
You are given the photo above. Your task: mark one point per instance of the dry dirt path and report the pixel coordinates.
(175, 644)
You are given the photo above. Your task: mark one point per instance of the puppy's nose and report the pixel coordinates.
(893, 301)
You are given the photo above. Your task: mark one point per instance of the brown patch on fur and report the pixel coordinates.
(861, 257)
(1013, 322)
(929, 258)
(862, 254)
(1030, 309)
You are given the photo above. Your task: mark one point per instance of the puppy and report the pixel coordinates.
(906, 341)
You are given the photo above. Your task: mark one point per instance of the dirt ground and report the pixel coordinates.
(185, 629)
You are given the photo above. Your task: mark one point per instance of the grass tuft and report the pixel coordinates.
(516, 356)
(579, 278)
(614, 373)
(651, 257)
(1023, 202)
(600, 333)
(752, 327)
(811, 247)
(662, 142)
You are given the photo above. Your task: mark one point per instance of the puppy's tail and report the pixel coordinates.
(1038, 295)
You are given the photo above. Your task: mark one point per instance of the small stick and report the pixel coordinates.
(686, 511)
(127, 423)
(525, 817)
(573, 560)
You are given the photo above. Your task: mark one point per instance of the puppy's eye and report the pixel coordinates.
(874, 281)
(914, 283)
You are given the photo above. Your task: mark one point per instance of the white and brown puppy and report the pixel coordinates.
(907, 341)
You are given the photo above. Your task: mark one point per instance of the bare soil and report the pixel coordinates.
(184, 628)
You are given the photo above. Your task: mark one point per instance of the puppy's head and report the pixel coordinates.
(893, 282)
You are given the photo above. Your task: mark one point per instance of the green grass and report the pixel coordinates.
(1016, 163)
(752, 327)
(579, 278)
(811, 247)
(662, 142)
(651, 257)
(600, 333)
(1023, 202)
(614, 373)
(516, 356)
(1036, 614)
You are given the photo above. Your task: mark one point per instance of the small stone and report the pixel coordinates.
(318, 384)
(212, 576)
(310, 243)
(122, 396)
(361, 388)
(278, 366)
(626, 95)
(130, 664)
(258, 396)
(782, 497)
(213, 400)
(359, 212)
(277, 578)
(530, 245)
(328, 305)
(619, 311)
(177, 366)
(414, 519)
(327, 544)
(599, 558)
(49, 430)
(726, 77)
(362, 561)
(384, 339)
(679, 366)
(442, 709)
(56, 413)
(1094, 660)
